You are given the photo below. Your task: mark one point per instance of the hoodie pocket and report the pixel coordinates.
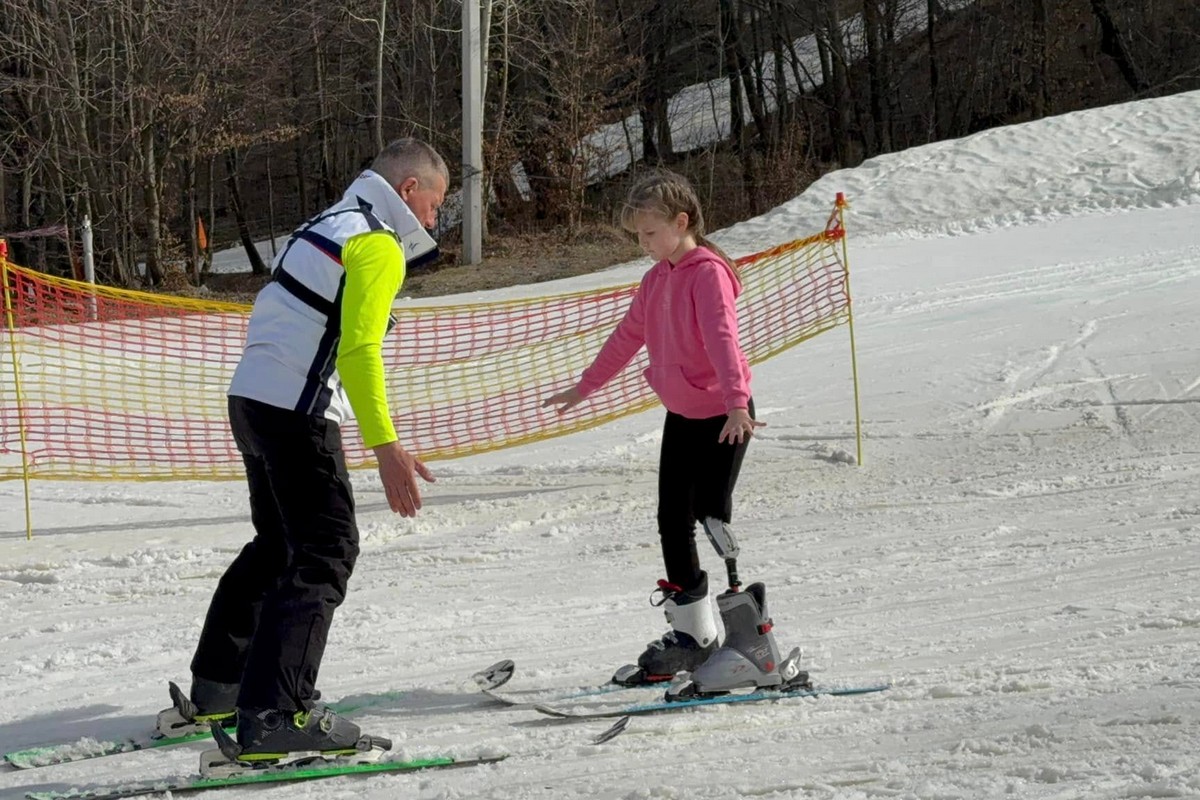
(675, 389)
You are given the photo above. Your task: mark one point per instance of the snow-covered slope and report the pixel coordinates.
(1019, 553)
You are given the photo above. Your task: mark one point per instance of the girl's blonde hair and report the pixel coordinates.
(669, 194)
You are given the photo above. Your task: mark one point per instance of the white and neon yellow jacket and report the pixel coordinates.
(314, 342)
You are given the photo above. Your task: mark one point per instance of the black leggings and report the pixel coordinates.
(696, 476)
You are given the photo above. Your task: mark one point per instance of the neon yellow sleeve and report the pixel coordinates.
(374, 265)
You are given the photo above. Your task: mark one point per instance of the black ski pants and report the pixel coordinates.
(270, 615)
(696, 476)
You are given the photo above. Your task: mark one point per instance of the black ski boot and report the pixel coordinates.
(271, 738)
(272, 731)
(210, 702)
(689, 643)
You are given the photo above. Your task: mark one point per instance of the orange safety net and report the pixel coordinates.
(97, 382)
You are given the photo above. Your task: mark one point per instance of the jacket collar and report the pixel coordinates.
(371, 188)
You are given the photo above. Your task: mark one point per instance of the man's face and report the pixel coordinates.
(424, 198)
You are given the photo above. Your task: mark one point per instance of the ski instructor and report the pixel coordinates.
(313, 359)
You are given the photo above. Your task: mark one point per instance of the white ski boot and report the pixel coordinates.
(691, 640)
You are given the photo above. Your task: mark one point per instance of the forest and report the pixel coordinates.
(146, 116)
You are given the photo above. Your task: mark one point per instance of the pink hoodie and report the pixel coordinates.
(686, 316)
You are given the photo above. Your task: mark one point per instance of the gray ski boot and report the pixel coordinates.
(691, 640)
(749, 657)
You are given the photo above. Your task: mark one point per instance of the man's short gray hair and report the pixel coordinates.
(410, 158)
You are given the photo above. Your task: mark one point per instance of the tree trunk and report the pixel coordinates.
(501, 117)
(212, 215)
(841, 100)
(26, 200)
(1040, 84)
(878, 139)
(935, 116)
(298, 148)
(784, 110)
(378, 80)
(190, 219)
(327, 182)
(271, 206)
(756, 87)
(1112, 45)
(737, 122)
(891, 14)
(739, 66)
(74, 115)
(122, 269)
(235, 199)
(154, 272)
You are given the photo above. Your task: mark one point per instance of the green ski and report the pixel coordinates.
(84, 749)
(307, 773)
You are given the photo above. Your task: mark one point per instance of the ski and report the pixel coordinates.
(638, 709)
(88, 748)
(492, 678)
(307, 773)
(302, 771)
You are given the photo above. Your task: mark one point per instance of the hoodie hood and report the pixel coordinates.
(701, 253)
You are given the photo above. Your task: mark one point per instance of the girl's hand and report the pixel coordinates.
(565, 400)
(739, 426)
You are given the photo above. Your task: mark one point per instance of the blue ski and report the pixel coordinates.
(490, 679)
(636, 709)
(557, 705)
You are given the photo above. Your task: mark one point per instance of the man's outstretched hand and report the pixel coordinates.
(398, 469)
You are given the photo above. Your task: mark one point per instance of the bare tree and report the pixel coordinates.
(1040, 86)
(1113, 45)
(878, 135)
(142, 115)
(935, 105)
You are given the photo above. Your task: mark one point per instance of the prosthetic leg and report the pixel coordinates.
(749, 657)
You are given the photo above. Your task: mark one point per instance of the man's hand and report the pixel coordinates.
(565, 400)
(396, 468)
(739, 426)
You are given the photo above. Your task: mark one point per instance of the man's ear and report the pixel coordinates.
(406, 187)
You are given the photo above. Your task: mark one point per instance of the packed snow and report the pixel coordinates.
(1018, 554)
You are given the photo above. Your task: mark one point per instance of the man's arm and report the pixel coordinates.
(374, 266)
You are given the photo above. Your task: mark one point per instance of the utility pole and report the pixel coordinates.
(472, 135)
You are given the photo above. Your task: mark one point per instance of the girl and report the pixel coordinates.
(684, 313)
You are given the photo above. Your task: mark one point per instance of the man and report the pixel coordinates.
(312, 357)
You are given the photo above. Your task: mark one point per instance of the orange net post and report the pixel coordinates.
(128, 385)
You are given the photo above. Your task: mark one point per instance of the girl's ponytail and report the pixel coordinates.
(705, 242)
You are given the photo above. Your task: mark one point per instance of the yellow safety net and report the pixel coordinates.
(103, 383)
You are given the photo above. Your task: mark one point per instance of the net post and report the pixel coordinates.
(10, 324)
(841, 217)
